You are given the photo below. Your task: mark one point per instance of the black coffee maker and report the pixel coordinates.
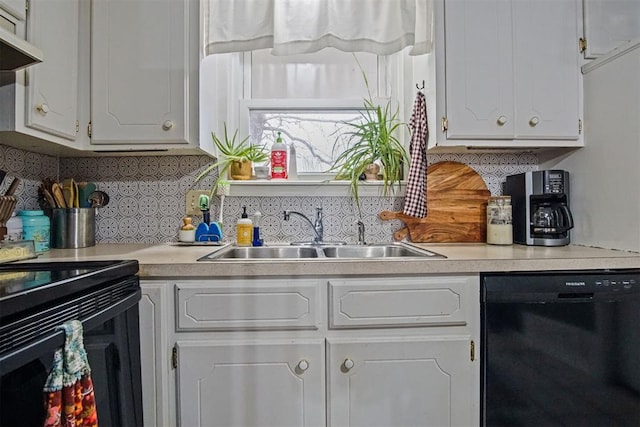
(541, 214)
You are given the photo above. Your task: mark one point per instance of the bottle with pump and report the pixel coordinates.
(257, 217)
(244, 229)
(293, 166)
(279, 159)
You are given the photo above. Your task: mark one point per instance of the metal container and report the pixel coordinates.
(73, 228)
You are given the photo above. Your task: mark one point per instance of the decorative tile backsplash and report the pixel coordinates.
(148, 195)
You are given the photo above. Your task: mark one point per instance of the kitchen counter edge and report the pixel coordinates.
(170, 260)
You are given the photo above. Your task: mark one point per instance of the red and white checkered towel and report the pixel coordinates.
(415, 199)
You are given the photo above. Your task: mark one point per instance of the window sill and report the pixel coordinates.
(264, 187)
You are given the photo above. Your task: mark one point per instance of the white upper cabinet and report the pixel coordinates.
(52, 92)
(479, 67)
(504, 73)
(144, 74)
(546, 69)
(609, 24)
(42, 100)
(116, 75)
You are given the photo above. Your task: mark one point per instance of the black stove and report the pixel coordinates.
(27, 286)
(35, 299)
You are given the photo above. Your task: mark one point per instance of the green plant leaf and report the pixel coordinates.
(232, 150)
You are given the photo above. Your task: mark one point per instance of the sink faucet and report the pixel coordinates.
(361, 233)
(317, 226)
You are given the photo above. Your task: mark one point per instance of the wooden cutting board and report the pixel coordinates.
(456, 207)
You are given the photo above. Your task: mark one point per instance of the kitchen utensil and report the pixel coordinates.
(456, 207)
(57, 195)
(12, 188)
(73, 228)
(76, 199)
(68, 190)
(84, 191)
(49, 198)
(98, 199)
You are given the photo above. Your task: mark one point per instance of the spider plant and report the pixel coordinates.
(372, 139)
(233, 154)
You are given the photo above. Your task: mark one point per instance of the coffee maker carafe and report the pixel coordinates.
(541, 214)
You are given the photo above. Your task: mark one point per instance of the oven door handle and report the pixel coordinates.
(56, 339)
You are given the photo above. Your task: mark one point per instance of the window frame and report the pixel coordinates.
(389, 85)
(286, 104)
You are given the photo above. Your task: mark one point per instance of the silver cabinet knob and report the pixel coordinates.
(42, 108)
(167, 125)
(348, 364)
(303, 365)
(502, 120)
(534, 121)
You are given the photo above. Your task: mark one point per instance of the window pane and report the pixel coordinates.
(313, 132)
(327, 74)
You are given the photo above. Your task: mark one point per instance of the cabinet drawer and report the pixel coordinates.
(368, 303)
(247, 305)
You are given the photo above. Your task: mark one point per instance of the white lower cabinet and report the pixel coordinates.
(367, 351)
(155, 353)
(400, 382)
(264, 383)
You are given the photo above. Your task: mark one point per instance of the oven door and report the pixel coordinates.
(111, 339)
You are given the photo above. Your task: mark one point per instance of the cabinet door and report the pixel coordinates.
(154, 353)
(17, 8)
(547, 69)
(261, 383)
(140, 71)
(609, 24)
(479, 75)
(52, 88)
(401, 382)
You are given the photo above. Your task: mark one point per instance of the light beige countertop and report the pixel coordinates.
(171, 260)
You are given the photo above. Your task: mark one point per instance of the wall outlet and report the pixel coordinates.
(192, 207)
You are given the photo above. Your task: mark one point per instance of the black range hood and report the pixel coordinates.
(16, 53)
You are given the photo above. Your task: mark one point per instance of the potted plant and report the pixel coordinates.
(372, 147)
(234, 157)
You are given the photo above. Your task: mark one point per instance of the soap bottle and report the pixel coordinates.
(257, 241)
(187, 232)
(279, 159)
(244, 229)
(202, 231)
(293, 166)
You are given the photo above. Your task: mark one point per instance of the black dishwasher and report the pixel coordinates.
(561, 348)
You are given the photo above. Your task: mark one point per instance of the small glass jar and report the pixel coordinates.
(499, 221)
(14, 229)
(36, 226)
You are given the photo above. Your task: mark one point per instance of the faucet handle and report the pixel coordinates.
(361, 240)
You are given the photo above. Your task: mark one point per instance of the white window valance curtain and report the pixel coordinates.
(291, 27)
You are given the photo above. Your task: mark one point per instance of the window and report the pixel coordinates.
(306, 97)
(313, 131)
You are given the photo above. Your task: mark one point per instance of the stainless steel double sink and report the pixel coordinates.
(370, 251)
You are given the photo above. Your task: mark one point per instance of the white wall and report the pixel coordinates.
(605, 174)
